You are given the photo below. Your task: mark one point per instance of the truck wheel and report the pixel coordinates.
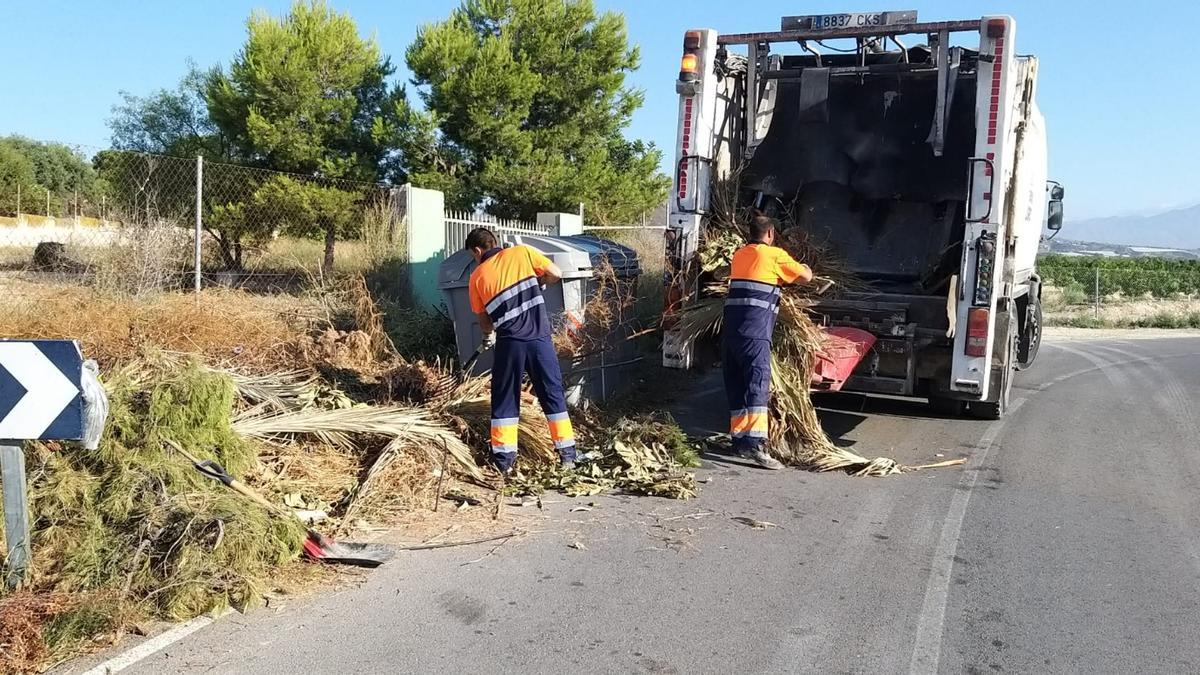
(1031, 338)
(946, 406)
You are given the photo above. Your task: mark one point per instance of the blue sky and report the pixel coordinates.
(1118, 80)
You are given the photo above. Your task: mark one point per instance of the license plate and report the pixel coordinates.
(830, 21)
(850, 20)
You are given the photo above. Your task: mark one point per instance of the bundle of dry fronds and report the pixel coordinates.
(797, 437)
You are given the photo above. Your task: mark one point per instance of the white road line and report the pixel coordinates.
(927, 649)
(153, 645)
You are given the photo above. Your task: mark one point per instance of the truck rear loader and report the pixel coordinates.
(922, 168)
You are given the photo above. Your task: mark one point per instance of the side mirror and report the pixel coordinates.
(1057, 193)
(1054, 218)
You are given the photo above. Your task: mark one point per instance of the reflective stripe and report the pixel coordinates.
(563, 444)
(753, 302)
(505, 435)
(757, 410)
(749, 434)
(517, 311)
(505, 421)
(561, 429)
(558, 417)
(504, 449)
(509, 292)
(754, 286)
(749, 424)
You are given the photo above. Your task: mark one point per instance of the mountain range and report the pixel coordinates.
(1178, 228)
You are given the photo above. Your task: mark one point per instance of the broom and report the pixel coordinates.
(317, 546)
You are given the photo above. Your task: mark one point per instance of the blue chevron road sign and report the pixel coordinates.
(40, 395)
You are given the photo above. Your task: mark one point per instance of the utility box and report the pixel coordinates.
(593, 376)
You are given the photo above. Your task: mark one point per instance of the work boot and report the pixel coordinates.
(505, 463)
(567, 459)
(760, 457)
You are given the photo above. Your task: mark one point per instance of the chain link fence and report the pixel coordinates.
(141, 222)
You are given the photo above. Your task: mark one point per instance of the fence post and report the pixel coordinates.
(18, 201)
(47, 202)
(199, 236)
(1096, 296)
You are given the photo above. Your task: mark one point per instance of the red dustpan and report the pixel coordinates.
(845, 348)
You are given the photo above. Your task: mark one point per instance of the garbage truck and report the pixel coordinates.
(915, 153)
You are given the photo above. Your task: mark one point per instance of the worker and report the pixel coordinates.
(758, 270)
(506, 295)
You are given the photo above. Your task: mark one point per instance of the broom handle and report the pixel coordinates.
(244, 490)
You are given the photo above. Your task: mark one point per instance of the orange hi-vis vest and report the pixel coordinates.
(757, 272)
(505, 285)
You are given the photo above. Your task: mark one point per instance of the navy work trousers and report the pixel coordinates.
(747, 369)
(515, 358)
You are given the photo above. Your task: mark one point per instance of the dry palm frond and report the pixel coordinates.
(533, 433)
(408, 427)
(796, 434)
(701, 318)
(280, 391)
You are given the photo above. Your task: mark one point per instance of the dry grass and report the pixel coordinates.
(305, 256)
(22, 618)
(1116, 311)
(224, 327)
(651, 250)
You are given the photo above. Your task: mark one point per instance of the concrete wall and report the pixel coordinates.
(426, 216)
(29, 230)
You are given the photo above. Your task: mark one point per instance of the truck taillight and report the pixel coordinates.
(977, 331)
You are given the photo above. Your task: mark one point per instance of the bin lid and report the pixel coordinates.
(575, 256)
(623, 259)
(455, 271)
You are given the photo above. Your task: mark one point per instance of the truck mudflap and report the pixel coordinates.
(847, 346)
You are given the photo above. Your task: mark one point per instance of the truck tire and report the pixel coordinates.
(1031, 336)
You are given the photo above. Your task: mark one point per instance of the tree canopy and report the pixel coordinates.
(305, 95)
(520, 106)
(37, 168)
(529, 101)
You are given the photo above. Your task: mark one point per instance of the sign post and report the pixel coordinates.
(41, 398)
(16, 512)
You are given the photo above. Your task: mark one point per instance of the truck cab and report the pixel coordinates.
(922, 169)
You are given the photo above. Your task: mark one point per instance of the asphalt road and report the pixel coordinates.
(1068, 543)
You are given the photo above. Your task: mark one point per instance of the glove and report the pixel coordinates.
(489, 341)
